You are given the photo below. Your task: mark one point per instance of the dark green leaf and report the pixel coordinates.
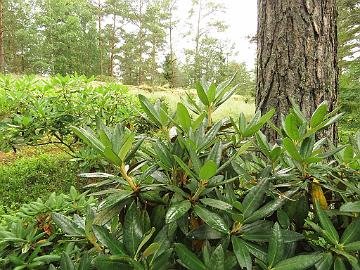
(326, 263)
(352, 232)
(177, 210)
(133, 231)
(354, 246)
(339, 264)
(326, 224)
(114, 245)
(67, 225)
(276, 246)
(291, 127)
(66, 263)
(255, 197)
(270, 207)
(216, 204)
(300, 262)
(212, 219)
(115, 198)
(185, 167)
(217, 260)
(242, 253)
(351, 207)
(187, 258)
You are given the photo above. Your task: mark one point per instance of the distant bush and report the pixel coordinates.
(38, 111)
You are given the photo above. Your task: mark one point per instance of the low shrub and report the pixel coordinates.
(205, 195)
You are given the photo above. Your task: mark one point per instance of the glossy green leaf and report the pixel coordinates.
(103, 262)
(227, 94)
(177, 210)
(276, 246)
(114, 245)
(307, 146)
(242, 253)
(149, 110)
(257, 251)
(125, 149)
(354, 246)
(67, 225)
(291, 149)
(147, 236)
(183, 117)
(339, 264)
(216, 204)
(291, 127)
(89, 138)
(352, 232)
(211, 92)
(66, 263)
(353, 207)
(185, 167)
(326, 224)
(319, 114)
(117, 197)
(133, 231)
(201, 93)
(272, 206)
(255, 126)
(188, 258)
(333, 119)
(299, 262)
(255, 197)
(208, 170)
(217, 260)
(212, 219)
(326, 262)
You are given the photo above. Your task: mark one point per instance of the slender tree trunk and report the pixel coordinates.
(197, 63)
(2, 53)
(140, 69)
(153, 62)
(100, 38)
(171, 60)
(112, 50)
(296, 57)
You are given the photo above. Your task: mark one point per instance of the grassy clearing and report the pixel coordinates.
(233, 107)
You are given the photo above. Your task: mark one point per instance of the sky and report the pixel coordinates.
(241, 17)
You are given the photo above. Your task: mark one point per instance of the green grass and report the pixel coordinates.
(28, 178)
(233, 107)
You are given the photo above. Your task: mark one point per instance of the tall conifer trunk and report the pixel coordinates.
(296, 56)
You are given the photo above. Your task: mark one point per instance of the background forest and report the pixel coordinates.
(132, 40)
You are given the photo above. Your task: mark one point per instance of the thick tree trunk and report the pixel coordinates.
(296, 57)
(2, 53)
